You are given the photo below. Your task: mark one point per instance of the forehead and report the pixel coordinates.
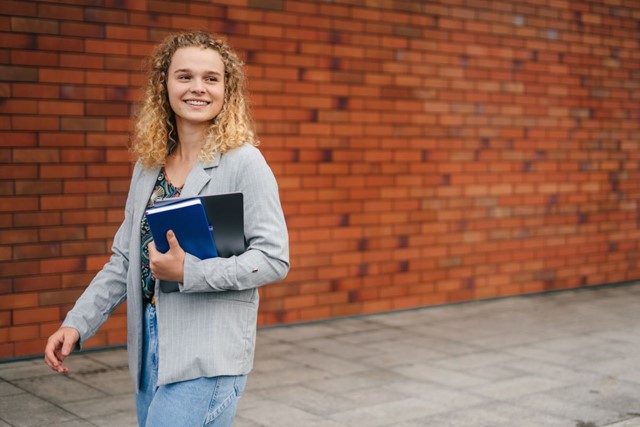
(196, 59)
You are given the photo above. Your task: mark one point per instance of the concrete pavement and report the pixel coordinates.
(565, 359)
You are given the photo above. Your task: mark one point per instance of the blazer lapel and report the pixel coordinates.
(142, 192)
(198, 177)
(145, 187)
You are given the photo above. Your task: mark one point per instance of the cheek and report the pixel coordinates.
(171, 95)
(220, 93)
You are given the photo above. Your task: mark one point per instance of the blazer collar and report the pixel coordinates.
(197, 179)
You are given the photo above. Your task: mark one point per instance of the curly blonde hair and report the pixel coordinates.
(156, 136)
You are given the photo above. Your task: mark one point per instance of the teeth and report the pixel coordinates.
(197, 102)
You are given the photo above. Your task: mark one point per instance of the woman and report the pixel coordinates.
(189, 351)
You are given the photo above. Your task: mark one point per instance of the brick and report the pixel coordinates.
(18, 8)
(60, 108)
(115, 216)
(83, 248)
(30, 25)
(107, 47)
(73, 280)
(13, 204)
(33, 58)
(82, 156)
(18, 106)
(85, 186)
(15, 73)
(267, 4)
(7, 188)
(82, 29)
(84, 217)
(58, 297)
(34, 123)
(119, 125)
(62, 171)
(7, 350)
(95, 263)
(56, 75)
(105, 15)
(83, 61)
(36, 251)
(54, 234)
(81, 92)
(99, 171)
(61, 44)
(21, 41)
(19, 268)
(18, 301)
(107, 109)
(60, 12)
(35, 219)
(5, 318)
(15, 139)
(57, 202)
(37, 187)
(20, 333)
(36, 315)
(121, 63)
(32, 90)
(102, 231)
(62, 265)
(82, 124)
(119, 156)
(59, 139)
(36, 155)
(105, 201)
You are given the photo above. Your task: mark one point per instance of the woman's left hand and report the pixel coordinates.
(167, 266)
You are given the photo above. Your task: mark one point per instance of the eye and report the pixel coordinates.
(212, 79)
(184, 77)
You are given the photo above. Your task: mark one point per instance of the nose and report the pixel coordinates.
(197, 86)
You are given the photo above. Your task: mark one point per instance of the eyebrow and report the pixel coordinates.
(187, 70)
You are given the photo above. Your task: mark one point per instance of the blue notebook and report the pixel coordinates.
(188, 220)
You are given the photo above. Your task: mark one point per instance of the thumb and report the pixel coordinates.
(172, 240)
(68, 343)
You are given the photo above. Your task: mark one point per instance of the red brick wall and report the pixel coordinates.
(427, 152)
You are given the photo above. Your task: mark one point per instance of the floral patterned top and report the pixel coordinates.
(163, 190)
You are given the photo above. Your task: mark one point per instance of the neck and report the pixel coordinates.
(190, 142)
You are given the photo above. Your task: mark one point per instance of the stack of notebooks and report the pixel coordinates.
(205, 226)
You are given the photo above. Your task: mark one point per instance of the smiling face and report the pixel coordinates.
(195, 86)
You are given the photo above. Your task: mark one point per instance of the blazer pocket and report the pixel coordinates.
(248, 296)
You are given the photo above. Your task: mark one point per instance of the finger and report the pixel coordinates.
(51, 361)
(50, 353)
(152, 248)
(59, 367)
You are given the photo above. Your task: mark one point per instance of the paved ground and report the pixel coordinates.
(567, 359)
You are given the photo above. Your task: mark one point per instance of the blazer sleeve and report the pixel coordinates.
(108, 289)
(266, 259)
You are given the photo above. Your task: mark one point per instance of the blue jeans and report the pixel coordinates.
(209, 402)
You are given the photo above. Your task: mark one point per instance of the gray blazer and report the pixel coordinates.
(209, 327)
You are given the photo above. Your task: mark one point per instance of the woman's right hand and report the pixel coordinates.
(59, 346)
